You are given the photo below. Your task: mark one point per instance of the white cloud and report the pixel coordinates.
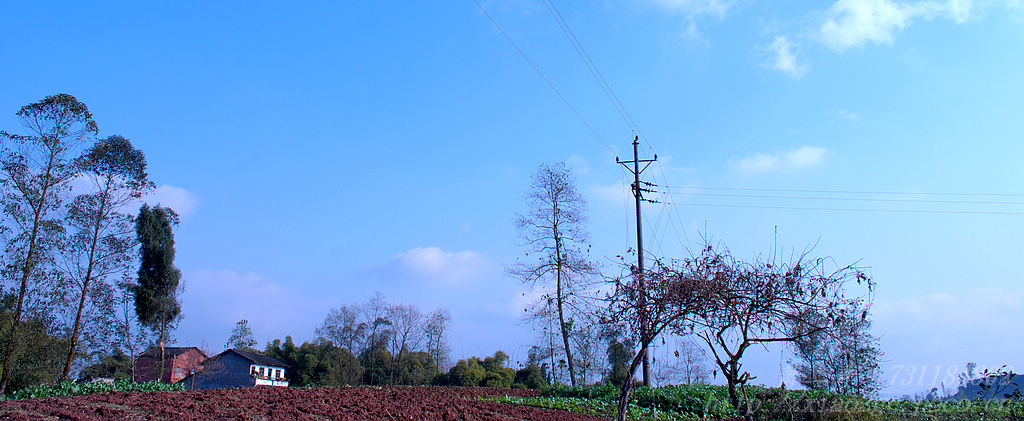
(434, 265)
(784, 57)
(578, 164)
(849, 115)
(978, 307)
(182, 201)
(799, 158)
(694, 10)
(850, 23)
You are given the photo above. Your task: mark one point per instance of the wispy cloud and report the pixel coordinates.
(433, 265)
(695, 10)
(799, 158)
(850, 23)
(783, 57)
(182, 201)
(850, 115)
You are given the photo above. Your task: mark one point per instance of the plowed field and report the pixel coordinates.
(276, 403)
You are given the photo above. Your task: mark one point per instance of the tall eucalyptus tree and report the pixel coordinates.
(100, 240)
(36, 168)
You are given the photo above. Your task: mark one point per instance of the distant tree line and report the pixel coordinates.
(381, 343)
(81, 278)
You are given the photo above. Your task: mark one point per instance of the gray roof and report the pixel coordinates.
(170, 351)
(257, 358)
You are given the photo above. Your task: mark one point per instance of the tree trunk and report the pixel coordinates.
(626, 391)
(85, 282)
(163, 330)
(565, 331)
(26, 271)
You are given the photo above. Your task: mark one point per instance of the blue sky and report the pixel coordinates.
(319, 153)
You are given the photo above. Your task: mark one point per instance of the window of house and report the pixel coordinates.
(261, 372)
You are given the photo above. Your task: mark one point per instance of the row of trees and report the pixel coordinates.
(67, 263)
(726, 304)
(381, 343)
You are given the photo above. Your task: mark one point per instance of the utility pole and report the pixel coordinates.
(638, 191)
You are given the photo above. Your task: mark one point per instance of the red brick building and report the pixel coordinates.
(178, 363)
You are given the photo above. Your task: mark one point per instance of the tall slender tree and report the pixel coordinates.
(35, 171)
(554, 231)
(435, 331)
(156, 301)
(100, 241)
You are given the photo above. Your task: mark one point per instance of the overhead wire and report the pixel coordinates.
(542, 76)
(588, 61)
(850, 199)
(855, 191)
(922, 211)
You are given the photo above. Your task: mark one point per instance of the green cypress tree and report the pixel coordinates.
(156, 301)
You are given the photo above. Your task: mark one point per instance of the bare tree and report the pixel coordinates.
(434, 332)
(687, 365)
(33, 178)
(407, 322)
(130, 334)
(671, 293)
(375, 313)
(554, 232)
(763, 302)
(344, 327)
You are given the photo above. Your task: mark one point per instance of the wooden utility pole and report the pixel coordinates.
(638, 191)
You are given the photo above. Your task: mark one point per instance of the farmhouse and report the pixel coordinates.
(237, 368)
(178, 363)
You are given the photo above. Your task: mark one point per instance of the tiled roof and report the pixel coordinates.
(170, 351)
(259, 358)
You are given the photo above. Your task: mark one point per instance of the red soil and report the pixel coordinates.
(278, 403)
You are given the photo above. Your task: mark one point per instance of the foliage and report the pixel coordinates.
(843, 359)
(318, 363)
(377, 365)
(69, 388)
(156, 302)
(241, 337)
(619, 354)
(34, 172)
(396, 343)
(115, 366)
(530, 377)
(472, 372)
(39, 357)
(99, 242)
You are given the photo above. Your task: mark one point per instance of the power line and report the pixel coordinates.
(850, 199)
(542, 76)
(905, 193)
(582, 53)
(932, 211)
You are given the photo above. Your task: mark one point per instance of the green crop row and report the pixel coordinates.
(595, 407)
(711, 401)
(72, 389)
